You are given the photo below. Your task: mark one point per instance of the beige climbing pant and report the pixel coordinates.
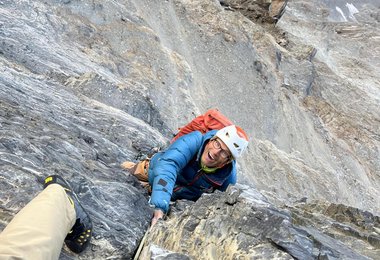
(38, 230)
(140, 171)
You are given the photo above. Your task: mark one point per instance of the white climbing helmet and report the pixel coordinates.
(234, 138)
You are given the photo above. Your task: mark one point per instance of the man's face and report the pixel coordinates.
(215, 154)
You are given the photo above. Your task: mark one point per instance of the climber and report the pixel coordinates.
(54, 216)
(190, 166)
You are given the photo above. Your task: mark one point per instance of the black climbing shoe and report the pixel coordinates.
(80, 235)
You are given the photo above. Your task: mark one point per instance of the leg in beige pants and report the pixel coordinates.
(39, 229)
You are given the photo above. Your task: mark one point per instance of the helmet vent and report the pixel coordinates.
(231, 137)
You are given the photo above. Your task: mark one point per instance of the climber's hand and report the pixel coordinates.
(158, 214)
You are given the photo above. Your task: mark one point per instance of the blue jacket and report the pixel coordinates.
(176, 173)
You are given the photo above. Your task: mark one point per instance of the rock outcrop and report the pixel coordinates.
(85, 86)
(231, 225)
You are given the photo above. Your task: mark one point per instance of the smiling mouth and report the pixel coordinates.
(210, 156)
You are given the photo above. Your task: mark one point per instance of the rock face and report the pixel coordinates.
(231, 225)
(86, 85)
